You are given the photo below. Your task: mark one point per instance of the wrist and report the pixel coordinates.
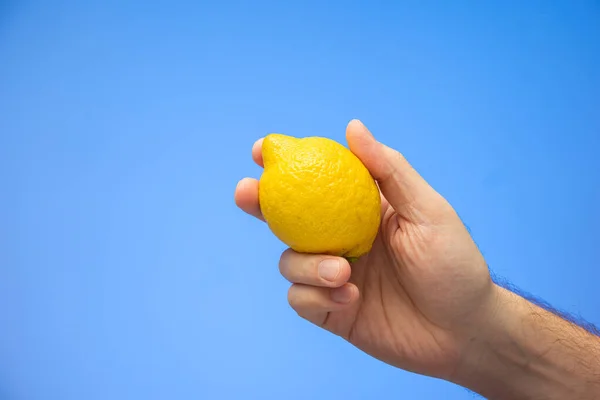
(521, 351)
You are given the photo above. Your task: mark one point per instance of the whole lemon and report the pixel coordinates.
(317, 196)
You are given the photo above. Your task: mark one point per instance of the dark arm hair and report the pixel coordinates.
(573, 319)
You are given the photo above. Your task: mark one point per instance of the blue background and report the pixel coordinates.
(127, 272)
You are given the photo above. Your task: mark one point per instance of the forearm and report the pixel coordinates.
(526, 352)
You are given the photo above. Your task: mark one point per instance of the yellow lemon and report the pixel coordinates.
(318, 197)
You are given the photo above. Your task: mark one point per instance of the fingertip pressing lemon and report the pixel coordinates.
(317, 196)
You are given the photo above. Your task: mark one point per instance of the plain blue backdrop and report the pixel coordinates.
(127, 272)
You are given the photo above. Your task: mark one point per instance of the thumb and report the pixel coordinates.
(406, 191)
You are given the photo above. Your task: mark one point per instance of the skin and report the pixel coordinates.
(423, 299)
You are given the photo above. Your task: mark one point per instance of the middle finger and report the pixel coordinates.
(314, 269)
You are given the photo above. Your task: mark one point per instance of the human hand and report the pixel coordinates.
(422, 292)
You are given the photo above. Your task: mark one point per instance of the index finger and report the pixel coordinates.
(257, 152)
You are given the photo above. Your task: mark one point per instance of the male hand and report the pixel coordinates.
(416, 298)
(422, 299)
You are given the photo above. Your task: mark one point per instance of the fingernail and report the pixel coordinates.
(342, 294)
(329, 269)
(364, 128)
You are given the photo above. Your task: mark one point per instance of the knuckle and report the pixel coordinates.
(400, 157)
(395, 154)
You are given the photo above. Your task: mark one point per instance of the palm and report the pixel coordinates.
(398, 318)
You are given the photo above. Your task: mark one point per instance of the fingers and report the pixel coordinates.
(314, 303)
(315, 270)
(319, 284)
(246, 197)
(246, 191)
(406, 191)
(257, 152)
